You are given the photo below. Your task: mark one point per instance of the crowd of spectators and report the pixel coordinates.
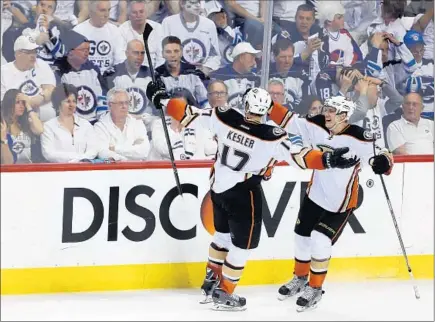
(74, 72)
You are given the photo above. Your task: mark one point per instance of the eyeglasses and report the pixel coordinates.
(218, 94)
(276, 94)
(126, 103)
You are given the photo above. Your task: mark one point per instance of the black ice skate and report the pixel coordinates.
(208, 286)
(309, 299)
(295, 286)
(227, 302)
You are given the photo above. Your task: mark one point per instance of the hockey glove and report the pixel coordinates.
(335, 159)
(380, 164)
(156, 92)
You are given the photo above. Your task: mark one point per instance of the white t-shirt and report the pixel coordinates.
(154, 40)
(107, 45)
(64, 9)
(21, 145)
(252, 6)
(418, 139)
(29, 82)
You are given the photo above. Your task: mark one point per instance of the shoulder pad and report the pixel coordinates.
(359, 133)
(277, 131)
(223, 109)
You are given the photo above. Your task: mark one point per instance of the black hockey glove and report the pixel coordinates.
(156, 92)
(335, 159)
(380, 164)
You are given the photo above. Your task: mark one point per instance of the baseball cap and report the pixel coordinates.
(244, 47)
(413, 37)
(26, 43)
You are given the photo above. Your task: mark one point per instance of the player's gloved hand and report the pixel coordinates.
(156, 92)
(380, 164)
(335, 159)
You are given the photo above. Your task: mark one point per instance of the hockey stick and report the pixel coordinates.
(396, 226)
(146, 35)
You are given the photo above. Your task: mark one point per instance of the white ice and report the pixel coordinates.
(371, 300)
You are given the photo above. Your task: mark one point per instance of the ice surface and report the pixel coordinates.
(372, 300)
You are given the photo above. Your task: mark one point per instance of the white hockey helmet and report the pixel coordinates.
(341, 105)
(257, 101)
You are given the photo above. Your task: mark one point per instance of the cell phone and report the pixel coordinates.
(316, 35)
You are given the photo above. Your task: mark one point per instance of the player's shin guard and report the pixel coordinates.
(223, 295)
(301, 269)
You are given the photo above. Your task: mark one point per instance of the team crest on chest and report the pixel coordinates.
(193, 51)
(86, 100)
(138, 100)
(29, 88)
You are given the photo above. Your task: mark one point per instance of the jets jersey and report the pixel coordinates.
(335, 190)
(372, 122)
(343, 50)
(154, 40)
(245, 149)
(189, 83)
(90, 101)
(228, 38)
(237, 83)
(136, 86)
(427, 37)
(29, 82)
(198, 39)
(293, 84)
(107, 45)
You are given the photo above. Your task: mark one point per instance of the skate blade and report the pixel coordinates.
(301, 309)
(227, 308)
(208, 299)
(282, 297)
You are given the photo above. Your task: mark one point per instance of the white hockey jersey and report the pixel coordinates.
(343, 50)
(335, 190)
(245, 149)
(427, 37)
(29, 82)
(107, 45)
(136, 86)
(154, 40)
(199, 40)
(90, 101)
(373, 122)
(228, 38)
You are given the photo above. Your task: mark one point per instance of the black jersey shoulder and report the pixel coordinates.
(318, 120)
(358, 133)
(235, 120)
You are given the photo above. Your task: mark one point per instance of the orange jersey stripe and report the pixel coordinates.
(280, 115)
(313, 160)
(176, 108)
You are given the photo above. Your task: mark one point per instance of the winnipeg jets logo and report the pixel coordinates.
(86, 100)
(138, 100)
(193, 51)
(227, 54)
(18, 147)
(29, 88)
(103, 48)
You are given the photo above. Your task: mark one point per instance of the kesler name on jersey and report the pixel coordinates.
(238, 138)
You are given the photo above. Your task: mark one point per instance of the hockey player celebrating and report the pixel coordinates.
(331, 196)
(247, 147)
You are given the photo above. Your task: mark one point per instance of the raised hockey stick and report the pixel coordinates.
(146, 35)
(396, 226)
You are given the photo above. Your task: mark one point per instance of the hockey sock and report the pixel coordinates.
(302, 255)
(216, 258)
(302, 268)
(318, 270)
(232, 268)
(321, 249)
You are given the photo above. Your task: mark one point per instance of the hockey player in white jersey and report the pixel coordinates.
(331, 196)
(247, 148)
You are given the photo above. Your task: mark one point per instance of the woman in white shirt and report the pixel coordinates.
(68, 137)
(23, 123)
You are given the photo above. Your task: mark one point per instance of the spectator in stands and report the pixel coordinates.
(343, 49)
(294, 85)
(44, 28)
(217, 93)
(311, 105)
(107, 46)
(239, 76)
(159, 9)
(7, 156)
(198, 36)
(132, 76)
(65, 12)
(21, 11)
(76, 69)
(421, 80)
(228, 36)
(22, 123)
(275, 88)
(118, 12)
(134, 27)
(412, 134)
(180, 78)
(121, 137)
(31, 76)
(285, 11)
(68, 137)
(423, 23)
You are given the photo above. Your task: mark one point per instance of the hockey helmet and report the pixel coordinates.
(257, 101)
(341, 105)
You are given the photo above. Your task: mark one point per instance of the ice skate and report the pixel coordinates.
(208, 286)
(295, 286)
(224, 301)
(309, 299)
